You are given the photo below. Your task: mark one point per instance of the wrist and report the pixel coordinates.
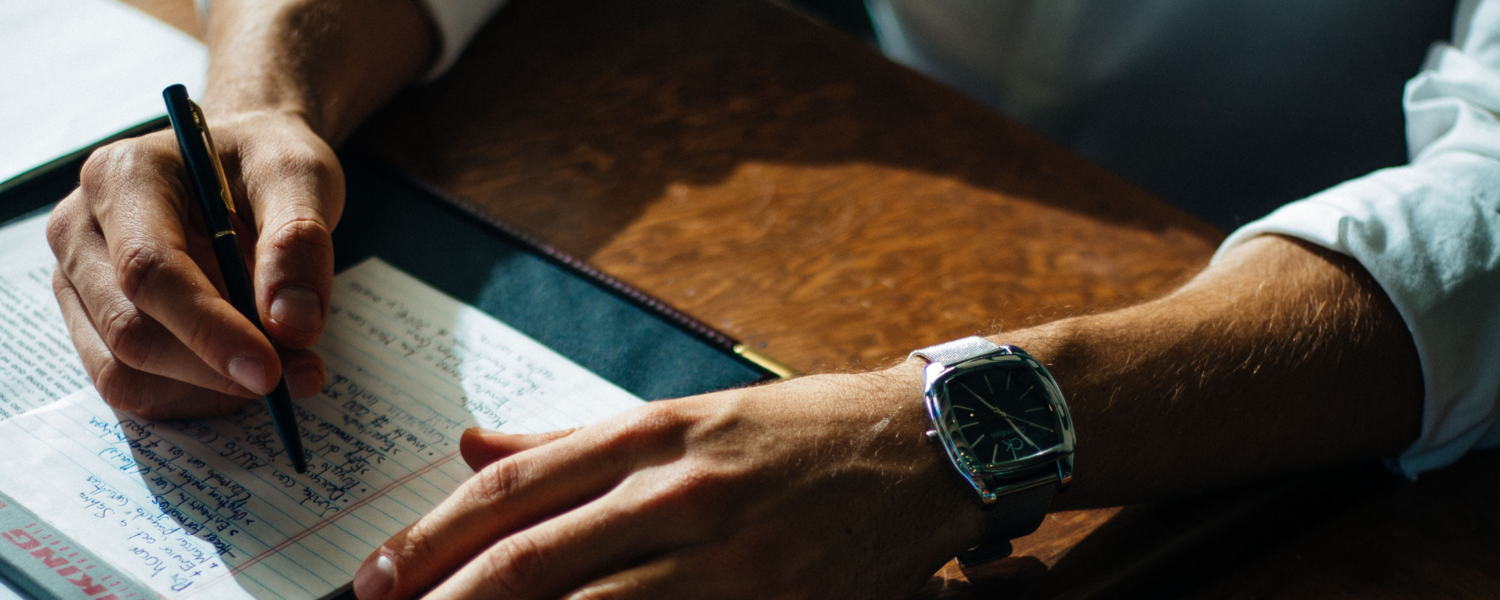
(223, 104)
(327, 63)
(265, 118)
(899, 414)
(997, 416)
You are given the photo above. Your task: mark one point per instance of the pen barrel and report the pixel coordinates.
(242, 296)
(284, 418)
(197, 160)
(236, 277)
(209, 187)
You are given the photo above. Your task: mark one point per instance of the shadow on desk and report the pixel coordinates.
(780, 161)
(1157, 550)
(581, 114)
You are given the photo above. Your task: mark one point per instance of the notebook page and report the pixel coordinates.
(211, 508)
(37, 361)
(77, 71)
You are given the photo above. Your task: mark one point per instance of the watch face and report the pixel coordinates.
(1002, 413)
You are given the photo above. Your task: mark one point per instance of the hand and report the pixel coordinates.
(818, 487)
(139, 286)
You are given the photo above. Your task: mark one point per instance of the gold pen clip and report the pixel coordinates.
(213, 155)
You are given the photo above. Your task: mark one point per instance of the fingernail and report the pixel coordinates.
(250, 373)
(297, 307)
(375, 578)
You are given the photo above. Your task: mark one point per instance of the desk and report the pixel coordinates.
(796, 190)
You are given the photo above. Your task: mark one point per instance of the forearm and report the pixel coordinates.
(329, 63)
(1281, 357)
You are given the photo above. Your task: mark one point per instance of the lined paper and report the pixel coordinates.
(211, 508)
(37, 361)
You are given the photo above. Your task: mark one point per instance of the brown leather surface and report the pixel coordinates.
(796, 190)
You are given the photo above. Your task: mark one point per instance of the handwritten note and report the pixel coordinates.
(37, 362)
(212, 509)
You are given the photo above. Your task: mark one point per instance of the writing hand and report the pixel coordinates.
(139, 286)
(817, 487)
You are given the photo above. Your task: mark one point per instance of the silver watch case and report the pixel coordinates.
(991, 481)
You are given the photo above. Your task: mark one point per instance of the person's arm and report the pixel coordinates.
(1426, 232)
(1282, 356)
(136, 279)
(1278, 357)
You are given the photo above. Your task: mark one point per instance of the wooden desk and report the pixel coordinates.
(798, 191)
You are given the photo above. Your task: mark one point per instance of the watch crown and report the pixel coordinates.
(932, 436)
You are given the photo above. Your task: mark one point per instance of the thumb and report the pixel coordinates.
(294, 249)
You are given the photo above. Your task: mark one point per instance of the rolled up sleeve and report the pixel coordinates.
(1429, 233)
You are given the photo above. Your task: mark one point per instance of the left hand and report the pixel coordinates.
(818, 487)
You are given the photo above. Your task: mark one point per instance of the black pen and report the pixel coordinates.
(212, 189)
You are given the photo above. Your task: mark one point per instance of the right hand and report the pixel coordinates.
(140, 289)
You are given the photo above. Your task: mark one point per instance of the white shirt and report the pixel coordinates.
(1428, 232)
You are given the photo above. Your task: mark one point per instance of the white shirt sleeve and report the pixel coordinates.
(1429, 233)
(457, 21)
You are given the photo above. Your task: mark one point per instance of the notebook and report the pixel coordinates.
(105, 502)
(442, 319)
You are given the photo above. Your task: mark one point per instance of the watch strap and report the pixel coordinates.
(956, 351)
(1012, 516)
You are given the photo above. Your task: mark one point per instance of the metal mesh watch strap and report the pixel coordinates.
(956, 350)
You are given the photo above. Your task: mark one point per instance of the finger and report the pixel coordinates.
(305, 375)
(499, 500)
(205, 404)
(136, 339)
(296, 195)
(695, 571)
(124, 388)
(133, 204)
(663, 578)
(480, 447)
(305, 372)
(551, 558)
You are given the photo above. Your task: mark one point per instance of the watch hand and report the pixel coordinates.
(979, 397)
(1001, 412)
(1018, 430)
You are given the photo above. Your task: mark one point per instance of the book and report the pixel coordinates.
(37, 362)
(442, 319)
(105, 502)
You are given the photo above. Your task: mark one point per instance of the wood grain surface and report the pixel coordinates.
(778, 181)
(798, 191)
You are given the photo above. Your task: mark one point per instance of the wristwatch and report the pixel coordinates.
(1001, 419)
